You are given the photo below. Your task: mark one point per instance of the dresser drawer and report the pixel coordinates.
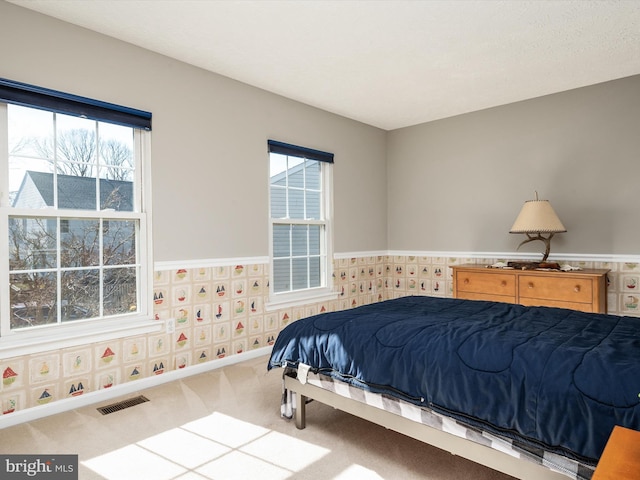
(556, 288)
(545, 302)
(486, 297)
(488, 284)
(585, 290)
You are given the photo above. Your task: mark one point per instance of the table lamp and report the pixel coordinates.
(536, 218)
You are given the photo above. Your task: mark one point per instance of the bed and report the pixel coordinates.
(533, 392)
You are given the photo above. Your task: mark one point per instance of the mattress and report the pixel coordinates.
(571, 468)
(551, 379)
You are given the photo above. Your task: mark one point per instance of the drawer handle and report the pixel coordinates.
(503, 283)
(530, 284)
(576, 289)
(466, 281)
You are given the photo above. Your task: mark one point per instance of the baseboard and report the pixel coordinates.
(90, 398)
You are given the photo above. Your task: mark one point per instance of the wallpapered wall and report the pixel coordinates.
(219, 311)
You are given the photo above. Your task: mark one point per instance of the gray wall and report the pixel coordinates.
(209, 140)
(458, 184)
(451, 185)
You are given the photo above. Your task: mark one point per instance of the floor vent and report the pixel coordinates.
(130, 402)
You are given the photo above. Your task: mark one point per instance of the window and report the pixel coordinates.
(300, 209)
(73, 217)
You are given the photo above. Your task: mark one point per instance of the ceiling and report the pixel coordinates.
(390, 64)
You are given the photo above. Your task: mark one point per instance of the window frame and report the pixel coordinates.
(62, 335)
(325, 291)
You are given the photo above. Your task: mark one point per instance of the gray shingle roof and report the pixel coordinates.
(79, 193)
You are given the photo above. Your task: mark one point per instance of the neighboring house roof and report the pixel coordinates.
(78, 193)
(279, 178)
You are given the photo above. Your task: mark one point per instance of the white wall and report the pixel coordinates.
(451, 185)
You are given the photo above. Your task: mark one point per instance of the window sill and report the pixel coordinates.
(65, 336)
(298, 299)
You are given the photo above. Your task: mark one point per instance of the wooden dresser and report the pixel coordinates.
(584, 290)
(621, 457)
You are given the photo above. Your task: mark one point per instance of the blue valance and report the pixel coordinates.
(296, 151)
(38, 97)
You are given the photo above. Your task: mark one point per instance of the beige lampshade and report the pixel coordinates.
(537, 216)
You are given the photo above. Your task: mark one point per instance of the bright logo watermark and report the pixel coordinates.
(46, 467)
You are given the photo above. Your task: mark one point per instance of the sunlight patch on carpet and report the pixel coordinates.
(359, 472)
(133, 463)
(216, 447)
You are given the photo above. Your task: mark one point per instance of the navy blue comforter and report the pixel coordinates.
(555, 378)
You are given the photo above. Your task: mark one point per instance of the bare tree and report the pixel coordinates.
(76, 153)
(32, 250)
(116, 155)
(30, 247)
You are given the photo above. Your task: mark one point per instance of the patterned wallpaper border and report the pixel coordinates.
(219, 313)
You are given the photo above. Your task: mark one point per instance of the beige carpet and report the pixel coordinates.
(225, 424)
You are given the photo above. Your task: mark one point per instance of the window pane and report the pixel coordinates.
(115, 159)
(281, 275)
(79, 246)
(300, 273)
(30, 149)
(76, 146)
(119, 242)
(281, 241)
(116, 195)
(296, 204)
(30, 132)
(76, 192)
(33, 299)
(314, 239)
(313, 205)
(278, 202)
(315, 279)
(30, 183)
(80, 294)
(115, 153)
(296, 172)
(312, 178)
(278, 169)
(120, 295)
(32, 243)
(299, 240)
